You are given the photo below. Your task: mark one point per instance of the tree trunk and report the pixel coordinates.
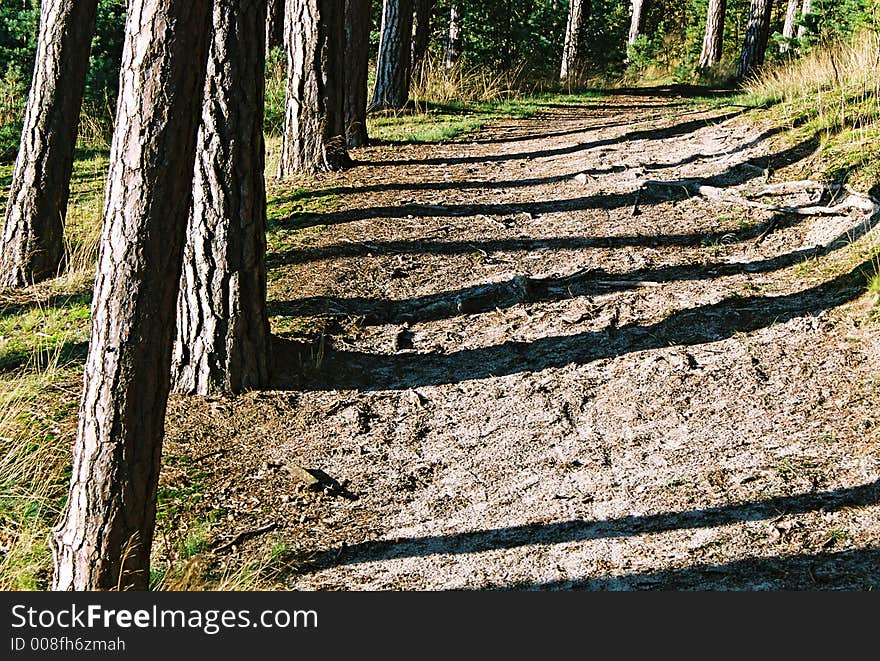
(421, 32)
(757, 35)
(274, 24)
(806, 8)
(357, 61)
(452, 47)
(314, 118)
(573, 51)
(104, 540)
(713, 40)
(33, 237)
(635, 23)
(788, 28)
(222, 324)
(395, 47)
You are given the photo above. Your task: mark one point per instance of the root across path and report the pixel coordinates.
(506, 362)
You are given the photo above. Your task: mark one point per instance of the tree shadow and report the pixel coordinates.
(737, 174)
(57, 301)
(518, 290)
(342, 369)
(853, 569)
(542, 136)
(676, 130)
(41, 358)
(564, 532)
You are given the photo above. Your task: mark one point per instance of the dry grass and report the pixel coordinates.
(36, 428)
(840, 82)
(436, 84)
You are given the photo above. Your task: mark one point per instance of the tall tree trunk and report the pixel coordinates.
(421, 32)
(357, 61)
(104, 540)
(314, 118)
(395, 47)
(757, 35)
(222, 324)
(274, 24)
(713, 40)
(788, 28)
(573, 51)
(806, 8)
(33, 237)
(452, 47)
(635, 22)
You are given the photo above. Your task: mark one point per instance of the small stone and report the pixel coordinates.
(581, 178)
(303, 476)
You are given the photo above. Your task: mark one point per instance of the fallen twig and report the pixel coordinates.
(247, 534)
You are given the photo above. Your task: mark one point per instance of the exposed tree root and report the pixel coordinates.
(854, 201)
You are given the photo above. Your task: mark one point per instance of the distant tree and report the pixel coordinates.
(421, 31)
(395, 53)
(314, 118)
(575, 37)
(713, 39)
(789, 28)
(104, 539)
(33, 237)
(452, 44)
(806, 8)
(636, 19)
(357, 60)
(222, 324)
(274, 24)
(756, 37)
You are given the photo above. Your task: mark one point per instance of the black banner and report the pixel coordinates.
(252, 625)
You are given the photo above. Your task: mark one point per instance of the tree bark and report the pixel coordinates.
(573, 51)
(104, 540)
(713, 40)
(222, 324)
(421, 31)
(314, 118)
(395, 47)
(757, 36)
(806, 8)
(452, 47)
(357, 61)
(788, 28)
(33, 237)
(274, 24)
(636, 19)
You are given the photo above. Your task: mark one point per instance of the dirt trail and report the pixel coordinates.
(526, 382)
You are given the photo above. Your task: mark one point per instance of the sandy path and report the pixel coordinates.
(525, 384)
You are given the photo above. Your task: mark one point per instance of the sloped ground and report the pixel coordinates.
(513, 371)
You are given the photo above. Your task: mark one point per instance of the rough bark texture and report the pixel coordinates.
(33, 236)
(104, 540)
(757, 35)
(222, 325)
(573, 51)
(395, 47)
(421, 32)
(452, 47)
(357, 60)
(788, 28)
(806, 8)
(635, 22)
(274, 24)
(314, 118)
(713, 39)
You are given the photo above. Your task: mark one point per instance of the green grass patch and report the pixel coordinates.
(426, 122)
(40, 333)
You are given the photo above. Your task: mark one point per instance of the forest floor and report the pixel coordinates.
(500, 366)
